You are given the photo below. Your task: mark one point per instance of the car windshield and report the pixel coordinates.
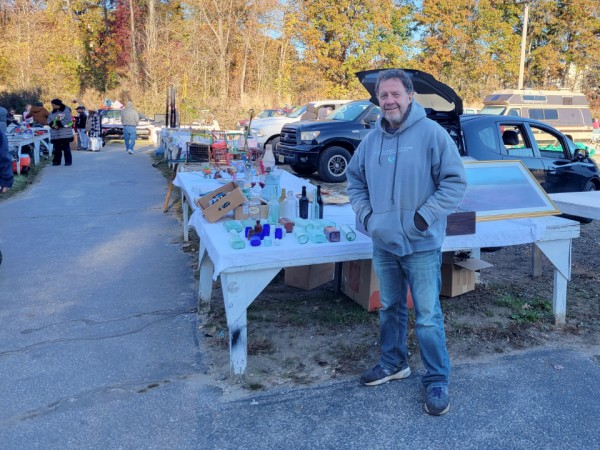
(297, 112)
(349, 111)
(493, 110)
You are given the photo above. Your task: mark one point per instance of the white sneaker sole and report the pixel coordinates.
(405, 373)
(437, 414)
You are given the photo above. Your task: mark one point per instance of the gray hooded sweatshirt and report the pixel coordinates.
(393, 176)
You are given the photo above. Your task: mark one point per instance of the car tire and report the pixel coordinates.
(333, 163)
(302, 170)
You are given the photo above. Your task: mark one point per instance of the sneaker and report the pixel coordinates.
(437, 401)
(379, 375)
(130, 152)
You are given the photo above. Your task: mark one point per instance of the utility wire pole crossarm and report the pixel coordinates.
(523, 41)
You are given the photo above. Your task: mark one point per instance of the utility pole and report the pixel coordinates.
(523, 41)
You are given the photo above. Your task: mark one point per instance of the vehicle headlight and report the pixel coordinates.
(257, 132)
(309, 136)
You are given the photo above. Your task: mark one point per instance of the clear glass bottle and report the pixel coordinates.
(348, 232)
(291, 206)
(301, 235)
(319, 201)
(254, 208)
(273, 209)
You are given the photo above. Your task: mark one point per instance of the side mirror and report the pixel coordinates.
(371, 118)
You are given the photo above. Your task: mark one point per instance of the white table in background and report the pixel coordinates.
(580, 204)
(21, 140)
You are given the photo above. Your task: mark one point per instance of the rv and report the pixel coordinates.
(565, 110)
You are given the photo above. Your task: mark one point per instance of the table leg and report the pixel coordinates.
(239, 291)
(186, 219)
(559, 254)
(206, 271)
(36, 151)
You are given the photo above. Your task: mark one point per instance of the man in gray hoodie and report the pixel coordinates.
(130, 120)
(405, 178)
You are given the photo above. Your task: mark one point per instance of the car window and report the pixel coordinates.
(485, 138)
(515, 112)
(514, 142)
(549, 144)
(493, 110)
(298, 112)
(349, 111)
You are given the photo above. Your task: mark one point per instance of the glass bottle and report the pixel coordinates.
(314, 206)
(291, 206)
(319, 202)
(236, 242)
(317, 236)
(258, 228)
(273, 209)
(303, 204)
(348, 232)
(301, 235)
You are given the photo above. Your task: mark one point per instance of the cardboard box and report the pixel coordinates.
(232, 198)
(458, 275)
(241, 212)
(309, 277)
(360, 283)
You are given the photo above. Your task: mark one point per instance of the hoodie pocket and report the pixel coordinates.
(396, 228)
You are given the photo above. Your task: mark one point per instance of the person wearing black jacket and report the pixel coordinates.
(61, 131)
(80, 125)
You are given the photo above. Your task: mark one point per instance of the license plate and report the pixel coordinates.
(281, 159)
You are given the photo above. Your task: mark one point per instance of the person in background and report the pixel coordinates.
(27, 118)
(130, 120)
(310, 113)
(3, 116)
(61, 131)
(80, 125)
(39, 114)
(595, 124)
(93, 128)
(404, 179)
(6, 164)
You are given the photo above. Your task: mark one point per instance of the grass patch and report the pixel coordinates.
(23, 181)
(526, 310)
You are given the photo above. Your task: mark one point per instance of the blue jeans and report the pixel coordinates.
(129, 132)
(420, 271)
(83, 140)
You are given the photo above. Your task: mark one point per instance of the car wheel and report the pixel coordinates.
(333, 163)
(302, 170)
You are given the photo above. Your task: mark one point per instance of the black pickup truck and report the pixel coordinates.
(327, 145)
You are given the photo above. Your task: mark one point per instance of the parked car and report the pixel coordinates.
(326, 146)
(243, 123)
(112, 128)
(554, 160)
(267, 130)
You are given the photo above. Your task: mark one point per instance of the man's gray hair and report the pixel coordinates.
(394, 74)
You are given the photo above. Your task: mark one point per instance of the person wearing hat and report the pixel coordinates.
(80, 125)
(130, 119)
(38, 113)
(61, 131)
